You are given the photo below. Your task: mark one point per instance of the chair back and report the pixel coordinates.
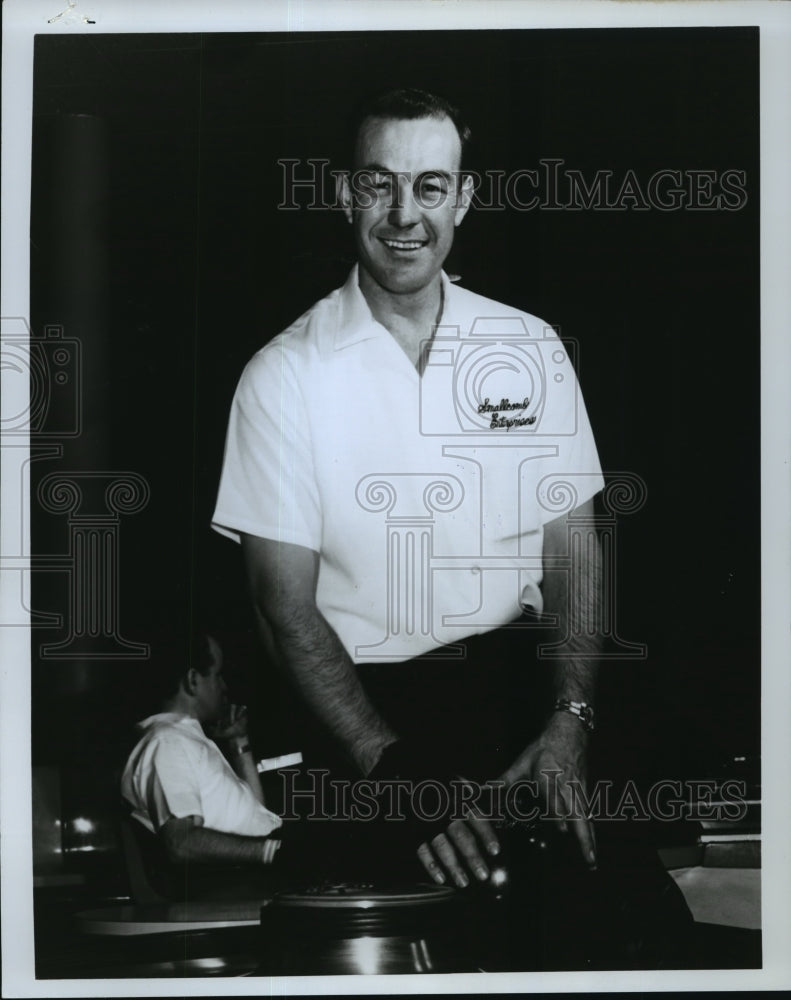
(147, 864)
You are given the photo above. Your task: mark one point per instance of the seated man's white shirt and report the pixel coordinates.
(176, 771)
(425, 497)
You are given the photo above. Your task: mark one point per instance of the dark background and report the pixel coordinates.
(197, 268)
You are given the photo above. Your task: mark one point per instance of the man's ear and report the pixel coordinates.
(464, 198)
(190, 681)
(345, 194)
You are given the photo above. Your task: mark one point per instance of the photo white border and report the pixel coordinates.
(25, 18)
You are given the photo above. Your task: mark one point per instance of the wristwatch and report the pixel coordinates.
(581, 709)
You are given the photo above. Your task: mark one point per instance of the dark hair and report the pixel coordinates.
(200, 654)
(173, 657)
(407, 104)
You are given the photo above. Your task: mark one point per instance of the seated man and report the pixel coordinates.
(181, 787)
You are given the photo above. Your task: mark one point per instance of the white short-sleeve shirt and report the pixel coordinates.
(425, 496)
(176, 771)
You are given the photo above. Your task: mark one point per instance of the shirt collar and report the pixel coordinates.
(355, 319)
(171, 717)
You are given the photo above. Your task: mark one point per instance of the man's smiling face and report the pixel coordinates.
(405, 199)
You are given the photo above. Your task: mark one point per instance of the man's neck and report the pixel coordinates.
(180, 705)
(410, 317)
(419, 308)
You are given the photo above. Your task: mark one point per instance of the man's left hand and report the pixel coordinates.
(556, 764)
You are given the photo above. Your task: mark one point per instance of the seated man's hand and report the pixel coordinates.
(555, 764)
(232, 725)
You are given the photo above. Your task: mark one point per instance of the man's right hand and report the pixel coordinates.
(232, 725)
(454, 847)
(462, 851)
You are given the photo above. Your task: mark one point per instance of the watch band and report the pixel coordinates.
(242, 748)
(581, 709)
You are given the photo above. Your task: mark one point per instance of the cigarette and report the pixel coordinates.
(272, 763)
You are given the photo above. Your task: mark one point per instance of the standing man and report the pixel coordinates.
(404, 400)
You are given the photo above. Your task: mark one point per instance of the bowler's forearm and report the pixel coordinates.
(283, 583)
(310, 652)
(574, 598)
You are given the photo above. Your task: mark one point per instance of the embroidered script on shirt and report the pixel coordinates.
(505, 405)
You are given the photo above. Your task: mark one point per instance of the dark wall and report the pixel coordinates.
(202, 268)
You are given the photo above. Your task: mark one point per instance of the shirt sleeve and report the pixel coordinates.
(172, 789)
(573, 475)
(268, 486)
